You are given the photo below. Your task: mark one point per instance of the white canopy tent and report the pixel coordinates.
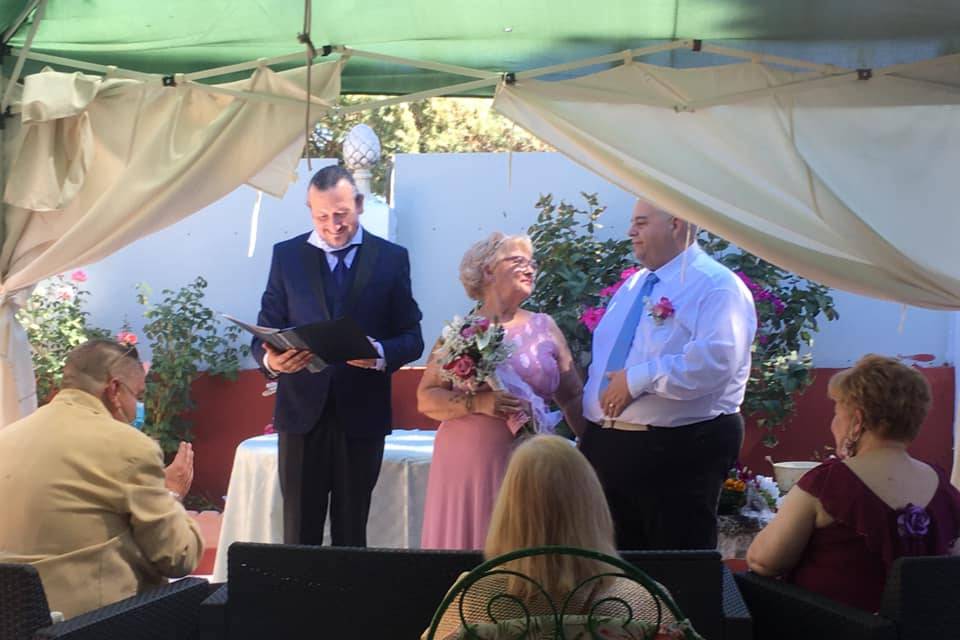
(839, 175)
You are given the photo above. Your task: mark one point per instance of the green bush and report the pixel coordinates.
(186, 338)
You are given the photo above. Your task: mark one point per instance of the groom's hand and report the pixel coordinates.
(617, 396)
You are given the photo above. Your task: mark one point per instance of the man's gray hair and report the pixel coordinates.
(90, 366)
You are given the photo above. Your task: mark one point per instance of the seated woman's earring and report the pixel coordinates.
(850, 442)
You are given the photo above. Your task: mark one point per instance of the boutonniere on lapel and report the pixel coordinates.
(661, 310)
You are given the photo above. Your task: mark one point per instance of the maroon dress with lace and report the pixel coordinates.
(848, 559)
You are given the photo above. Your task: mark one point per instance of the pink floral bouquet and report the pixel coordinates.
(470, 351)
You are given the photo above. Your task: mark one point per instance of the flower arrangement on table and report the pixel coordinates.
(744, 491)
(471, 348)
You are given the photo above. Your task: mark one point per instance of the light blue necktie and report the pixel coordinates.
(618, 354)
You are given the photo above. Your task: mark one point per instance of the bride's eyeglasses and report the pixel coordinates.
(521, 262)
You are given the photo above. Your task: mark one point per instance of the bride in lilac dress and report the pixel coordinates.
(478, 432)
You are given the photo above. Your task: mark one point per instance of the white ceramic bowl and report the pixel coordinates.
(787, 473)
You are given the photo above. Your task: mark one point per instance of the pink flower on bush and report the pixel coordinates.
(662, 310)
(463, 367)
(626, 273)
(65, 294)
(591, 317)
(127, 338)
(79, 276)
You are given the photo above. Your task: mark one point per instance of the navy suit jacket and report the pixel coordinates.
(380, 300)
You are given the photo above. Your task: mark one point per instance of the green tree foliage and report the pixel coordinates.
(437, 125)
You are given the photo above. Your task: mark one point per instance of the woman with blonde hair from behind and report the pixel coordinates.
(550, 496)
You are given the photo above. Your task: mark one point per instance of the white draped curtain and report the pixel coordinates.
(95, 163)
(845, 181)
(848, 179)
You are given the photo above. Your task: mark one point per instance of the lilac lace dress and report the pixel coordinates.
(470, 453)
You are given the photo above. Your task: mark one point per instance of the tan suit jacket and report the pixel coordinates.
(82, 499)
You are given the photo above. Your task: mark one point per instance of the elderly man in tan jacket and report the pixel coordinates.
(84, 497)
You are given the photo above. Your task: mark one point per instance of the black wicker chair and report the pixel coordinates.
(919, 601)
(166, 613)
(23, 604)
(702, 587)
(278, 589)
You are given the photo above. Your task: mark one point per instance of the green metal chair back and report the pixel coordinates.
(561, 621)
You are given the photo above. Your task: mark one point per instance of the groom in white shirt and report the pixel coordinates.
(671, 359)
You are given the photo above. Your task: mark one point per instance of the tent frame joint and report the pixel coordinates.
(864, 74)
(326, 50)
(510, 78)
(169, 81)
(696, 45)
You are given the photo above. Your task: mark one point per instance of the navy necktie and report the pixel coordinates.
(340, 270)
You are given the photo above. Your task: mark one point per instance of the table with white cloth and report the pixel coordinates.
(254, 505)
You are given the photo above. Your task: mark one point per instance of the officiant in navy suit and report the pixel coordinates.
(332, 424)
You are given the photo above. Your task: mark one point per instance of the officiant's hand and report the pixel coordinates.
(617, 396)
(368, 363)
(289, 361)
(498, 404)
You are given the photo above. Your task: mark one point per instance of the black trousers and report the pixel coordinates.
(663, 485)
(324, 468)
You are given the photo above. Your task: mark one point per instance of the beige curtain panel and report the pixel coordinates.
(850, 182)
(96, 163)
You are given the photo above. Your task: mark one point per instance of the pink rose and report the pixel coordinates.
(664, 308)
(65, 294)
(463, 367)
(626, 273)
(79, 276)
(591, 317)
(127, 338)
(482, 324)
(468, 331)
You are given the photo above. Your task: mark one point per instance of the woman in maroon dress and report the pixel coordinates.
(846, 521)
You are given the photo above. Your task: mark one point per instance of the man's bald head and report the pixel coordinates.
(657, 236)
(90, 366)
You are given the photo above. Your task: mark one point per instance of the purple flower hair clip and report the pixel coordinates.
(913, 521)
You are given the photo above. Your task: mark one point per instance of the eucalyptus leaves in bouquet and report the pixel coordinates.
(186, 339)
(55, 322)
(580, 273)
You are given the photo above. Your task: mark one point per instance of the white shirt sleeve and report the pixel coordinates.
(704, 365)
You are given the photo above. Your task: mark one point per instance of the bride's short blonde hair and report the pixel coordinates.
(482, 255)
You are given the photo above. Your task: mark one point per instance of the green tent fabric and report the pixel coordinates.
(179, 36)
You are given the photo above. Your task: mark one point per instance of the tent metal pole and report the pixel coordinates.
(789, 87)
(463, 87)
(243, 66)
(629, 54)
(89, 66)
(20, 20)
(421, 64)
(21, 58)
(255, 97)
(770, 59)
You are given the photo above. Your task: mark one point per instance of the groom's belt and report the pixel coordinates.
(620, 425)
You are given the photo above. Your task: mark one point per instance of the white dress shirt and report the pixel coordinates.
(321, 244)
(694, 365)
